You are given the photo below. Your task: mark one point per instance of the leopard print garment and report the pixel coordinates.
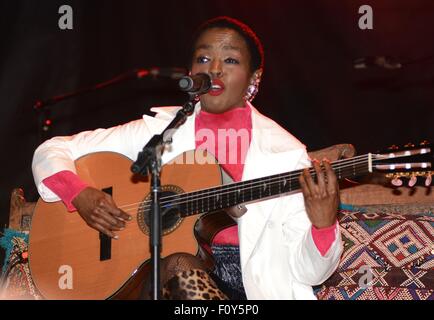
(184, 278)
(193, 284)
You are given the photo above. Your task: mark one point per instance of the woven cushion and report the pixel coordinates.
(17, 282)
(388, 254)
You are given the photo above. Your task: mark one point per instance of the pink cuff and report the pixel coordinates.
(66, 185)
(324, 238)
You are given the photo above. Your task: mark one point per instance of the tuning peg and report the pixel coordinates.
(412, 181)
(409, 145)
(396, 181)
(428, 179)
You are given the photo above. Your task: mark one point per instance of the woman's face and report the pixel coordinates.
(223, 54)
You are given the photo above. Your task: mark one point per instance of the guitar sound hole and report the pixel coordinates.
(171, 217)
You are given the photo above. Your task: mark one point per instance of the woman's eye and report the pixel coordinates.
(232, 61)
(202, 59)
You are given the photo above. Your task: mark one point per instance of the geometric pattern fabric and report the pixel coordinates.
(387, 256)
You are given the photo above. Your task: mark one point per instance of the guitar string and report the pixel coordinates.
(235, 185)
(223, 189)
(217, 207)
(220, 190)
(146, 206)
(294, 174)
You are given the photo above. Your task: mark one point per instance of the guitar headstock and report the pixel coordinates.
(410, 162)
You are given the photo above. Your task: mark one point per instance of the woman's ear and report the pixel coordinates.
(257, 75)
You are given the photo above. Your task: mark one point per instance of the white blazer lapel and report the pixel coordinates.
(259, 163)
(183, 139)
(272, 151)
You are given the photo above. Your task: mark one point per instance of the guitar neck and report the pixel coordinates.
(230, 195)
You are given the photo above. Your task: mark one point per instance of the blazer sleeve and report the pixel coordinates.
(59, 153)
(305, 262)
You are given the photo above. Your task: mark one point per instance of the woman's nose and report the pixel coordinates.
(215, 69)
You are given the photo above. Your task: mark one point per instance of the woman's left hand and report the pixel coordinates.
(321, 198)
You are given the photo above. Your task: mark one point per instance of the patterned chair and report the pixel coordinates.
(388, 245)
(16, 281)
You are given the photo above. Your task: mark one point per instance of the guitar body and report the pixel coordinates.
(65, 253)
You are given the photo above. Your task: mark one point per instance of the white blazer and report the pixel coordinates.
(279, 259)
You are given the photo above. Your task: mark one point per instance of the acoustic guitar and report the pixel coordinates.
(70, 260)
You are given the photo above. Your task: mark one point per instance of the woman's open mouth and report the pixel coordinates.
(217, 87)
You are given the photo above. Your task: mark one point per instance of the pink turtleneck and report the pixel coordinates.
(223, 134)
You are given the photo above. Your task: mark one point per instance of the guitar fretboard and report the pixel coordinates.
(230, 195)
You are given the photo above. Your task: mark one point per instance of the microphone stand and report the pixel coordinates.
(149, 163)
(42, 105)
(137, 73)
(45, 121)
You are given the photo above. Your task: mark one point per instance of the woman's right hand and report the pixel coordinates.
(100, 212)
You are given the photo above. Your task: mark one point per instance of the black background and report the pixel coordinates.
(309, 86)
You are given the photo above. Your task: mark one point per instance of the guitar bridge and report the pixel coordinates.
(105, 242)
(105, 247)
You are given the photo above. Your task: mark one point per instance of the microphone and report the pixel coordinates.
(197, 84)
